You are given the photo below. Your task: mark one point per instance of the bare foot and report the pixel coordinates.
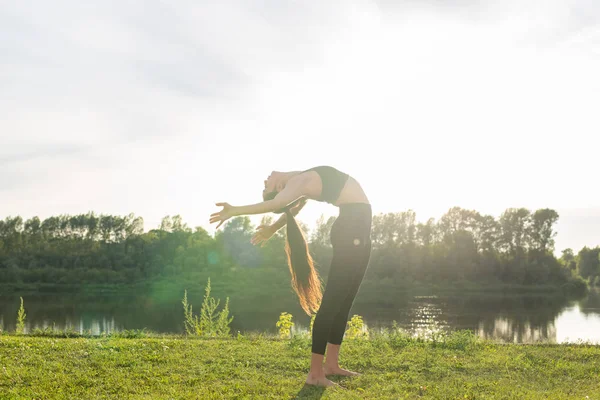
(319, 381)
(338, 371)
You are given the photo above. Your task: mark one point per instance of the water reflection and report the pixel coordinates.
(94, 314)
(80, 325)
(514, 331)
(591, 304)
(505, 318)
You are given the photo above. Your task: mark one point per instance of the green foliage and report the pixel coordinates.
(57, 333)
(300, 343)
(53, 332)
(460, 340)
(210, 323)
(191, 322)
(223, 320)
(398, 338)
(285, 325)
(131, 334)
(463, 245)
(356, 328)
(21, 319)
(214, 324)
(588, 262)
(575, 286)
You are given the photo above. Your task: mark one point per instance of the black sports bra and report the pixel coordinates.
(332, 181)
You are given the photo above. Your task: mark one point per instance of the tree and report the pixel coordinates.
(568, 259)
(588, 262)
(541, 230)
(463, 245)
(236, 237)
(166, 224)
(177, 224)
(457, 219)
(487, 233)
(394, 229)
(321, 234)
(515, 228)
(426, 234)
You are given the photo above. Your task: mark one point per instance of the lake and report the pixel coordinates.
(502, 317)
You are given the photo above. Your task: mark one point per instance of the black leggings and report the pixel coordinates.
(351, 242)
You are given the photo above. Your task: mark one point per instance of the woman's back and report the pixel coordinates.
(328, 184)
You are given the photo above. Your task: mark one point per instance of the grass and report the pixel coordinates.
(143, 365)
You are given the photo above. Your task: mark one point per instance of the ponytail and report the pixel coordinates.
(305, 279)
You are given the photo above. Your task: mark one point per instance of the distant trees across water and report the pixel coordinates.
(463, 245)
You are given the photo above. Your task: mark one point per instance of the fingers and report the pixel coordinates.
(216, 218)
(256, 239)
(220, 204)
(259, 240)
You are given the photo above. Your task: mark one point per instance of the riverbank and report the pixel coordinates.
(246, 281)
(259, 366)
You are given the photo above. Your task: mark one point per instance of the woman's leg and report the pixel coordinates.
(350, 239)
(359, 266)
(316, 375)
(339, 284)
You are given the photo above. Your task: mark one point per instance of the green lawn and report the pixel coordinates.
(259, 367)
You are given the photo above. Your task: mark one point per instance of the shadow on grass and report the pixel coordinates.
(310, 392)
(316, 392)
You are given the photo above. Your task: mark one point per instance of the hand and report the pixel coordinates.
(264, 233)
(223, 215)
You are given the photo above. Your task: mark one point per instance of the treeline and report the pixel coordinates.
(463, 245)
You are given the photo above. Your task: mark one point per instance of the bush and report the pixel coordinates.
(575, 286)
(57, 333)
(210, 323)
(21, 319)
(356, 328)
(398, 338)
(285, 325)
(460, 340)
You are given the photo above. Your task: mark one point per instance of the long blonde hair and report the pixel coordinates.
(305, 278)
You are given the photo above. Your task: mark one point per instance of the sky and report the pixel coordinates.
(163, 108)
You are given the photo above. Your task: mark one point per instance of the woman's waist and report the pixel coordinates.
(354, 216)
(351, 193)
(356, 209)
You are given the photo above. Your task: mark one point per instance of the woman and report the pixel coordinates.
(287, 192)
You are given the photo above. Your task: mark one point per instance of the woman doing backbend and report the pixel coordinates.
(286, 193)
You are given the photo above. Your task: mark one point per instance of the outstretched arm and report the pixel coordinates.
(284, 198)
(289, 194)
(264, 232)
